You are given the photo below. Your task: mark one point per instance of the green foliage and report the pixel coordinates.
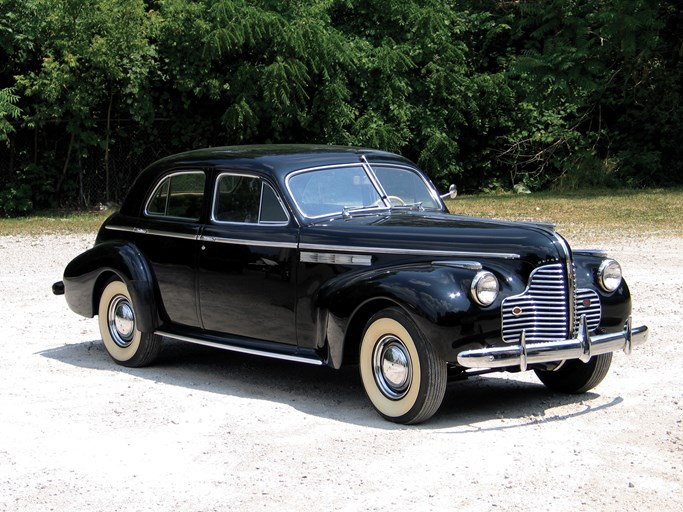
(8, 111)
(584, 70)
(16, 201)
(560, 93)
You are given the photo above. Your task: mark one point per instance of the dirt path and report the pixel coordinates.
(211, 430)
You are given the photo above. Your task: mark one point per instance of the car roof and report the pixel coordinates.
(278, 159)
(274, 160)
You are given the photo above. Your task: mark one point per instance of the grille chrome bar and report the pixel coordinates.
(543, 311)
(588, 305)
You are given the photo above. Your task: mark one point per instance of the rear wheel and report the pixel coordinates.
(575, 376)
(125, 344)
(401, 372)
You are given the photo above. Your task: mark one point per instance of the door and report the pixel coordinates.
(167, 235)
(247, 262)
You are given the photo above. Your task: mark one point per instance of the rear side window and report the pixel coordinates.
(178, 196)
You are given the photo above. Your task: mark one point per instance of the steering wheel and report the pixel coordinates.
(396, 201)
(393, 201)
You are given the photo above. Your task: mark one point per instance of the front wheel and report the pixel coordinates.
(125, 344)
(576, 376)
(401, 372)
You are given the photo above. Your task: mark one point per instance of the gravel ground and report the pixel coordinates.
(211, 430)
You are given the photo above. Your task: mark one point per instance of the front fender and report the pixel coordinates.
(84, 276)
(616, 305)
(435, 296)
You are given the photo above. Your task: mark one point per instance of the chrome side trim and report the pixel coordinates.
(467, 265)
(240, 241)
(170, 234)
(127, 229)
(582, 347)
(204, 238)
(408, 252)
(322, 247)
(243, 350)
(154, 232)
(336, 259)
(600, 253)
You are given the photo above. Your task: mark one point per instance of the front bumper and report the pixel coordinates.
(582, 347)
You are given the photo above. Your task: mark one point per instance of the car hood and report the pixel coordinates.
(436, 234)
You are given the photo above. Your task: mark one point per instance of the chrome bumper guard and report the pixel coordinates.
(582, 347)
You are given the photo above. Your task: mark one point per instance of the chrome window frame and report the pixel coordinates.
(359, 164)
(430, 186)
(263, 182)
(148, 214)
(374, 179)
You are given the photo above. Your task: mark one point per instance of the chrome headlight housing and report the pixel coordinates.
(484, 289)
(609, 275)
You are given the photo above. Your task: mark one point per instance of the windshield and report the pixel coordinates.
(329, 191)
(405, 187)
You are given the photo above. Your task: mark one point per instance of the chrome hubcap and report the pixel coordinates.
(121, 320)
(392, 367)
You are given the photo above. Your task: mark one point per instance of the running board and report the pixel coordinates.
(227, 344)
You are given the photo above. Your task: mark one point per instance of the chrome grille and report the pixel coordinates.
(588, 303)
(542, 310)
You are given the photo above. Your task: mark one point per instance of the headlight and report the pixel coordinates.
(609, 275)
(484, 288)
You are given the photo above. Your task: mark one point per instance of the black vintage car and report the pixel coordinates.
(334, 255)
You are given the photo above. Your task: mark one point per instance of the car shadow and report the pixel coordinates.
(469, 404)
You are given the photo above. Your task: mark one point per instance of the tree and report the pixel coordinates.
(90, 52)
(582, 68)
(8, 110)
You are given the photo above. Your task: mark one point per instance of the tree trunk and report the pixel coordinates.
(106, 150)
(66, 165)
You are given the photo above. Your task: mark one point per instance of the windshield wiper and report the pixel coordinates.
(348, 211)
(409, 206)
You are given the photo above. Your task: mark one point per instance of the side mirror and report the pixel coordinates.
(452, 192)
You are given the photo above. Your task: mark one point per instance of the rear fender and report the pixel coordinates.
(86, 275)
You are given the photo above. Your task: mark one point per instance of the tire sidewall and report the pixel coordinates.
(396, 324)
(576, 377)
(120, 354)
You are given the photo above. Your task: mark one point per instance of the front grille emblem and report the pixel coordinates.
(586, 303)
(516, 311)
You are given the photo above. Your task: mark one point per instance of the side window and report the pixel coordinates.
(178, 196)
(247, 199)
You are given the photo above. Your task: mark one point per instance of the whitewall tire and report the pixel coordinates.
(125, 344)
(401, 372)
